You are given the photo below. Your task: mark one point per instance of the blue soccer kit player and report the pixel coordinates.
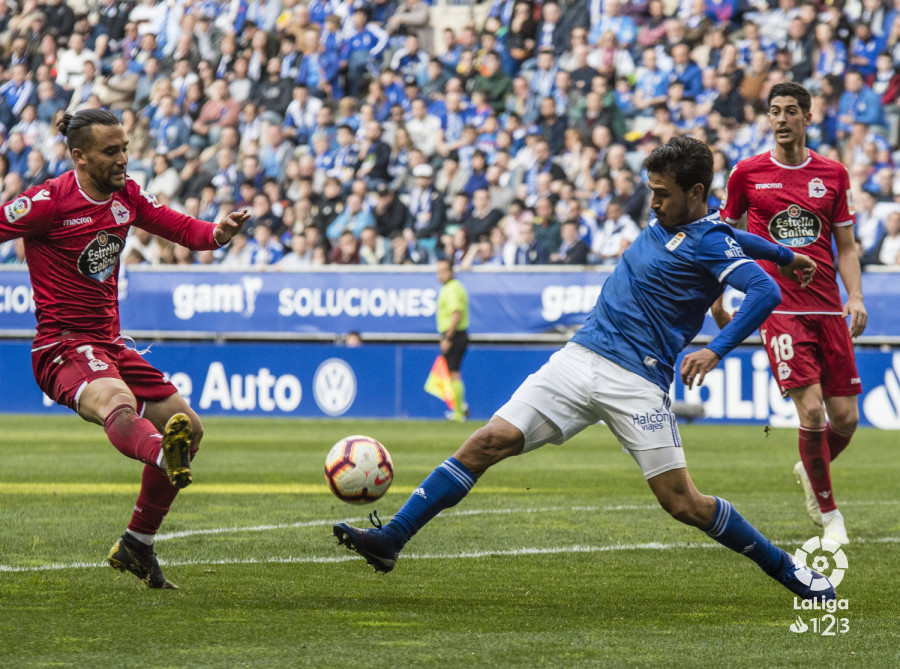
(619, 366)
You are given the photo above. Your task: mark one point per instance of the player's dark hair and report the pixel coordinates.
(76, 128)
(791, 89)
(688, 160)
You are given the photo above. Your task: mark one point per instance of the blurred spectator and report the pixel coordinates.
(372, 247)
(300, 254)
(144, 244)
(346, 251)
(70, 69)
(614, 235)
(493, 81)
(482, 218)
(887, 250)
(573, 250)
(374, 156)
(426, 206)
(858, 102)
(405, 251)
(529, 251)
(391, 215)
(353, 219)
(164, 179)
(263, 249)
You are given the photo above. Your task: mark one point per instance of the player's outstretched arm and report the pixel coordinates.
(793, 265)
(229, 226)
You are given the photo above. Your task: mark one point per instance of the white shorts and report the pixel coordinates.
(576, 388)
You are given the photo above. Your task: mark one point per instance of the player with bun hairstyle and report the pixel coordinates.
(74, 228)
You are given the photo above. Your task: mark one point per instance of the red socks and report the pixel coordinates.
(132, 435)
(816, 458)
(837, 442)
(153, 502)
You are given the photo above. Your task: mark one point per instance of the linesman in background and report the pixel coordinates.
(453, 325)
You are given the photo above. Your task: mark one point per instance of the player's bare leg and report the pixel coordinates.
(843, 419)
(813, 472)
(444, 488)
(721, 521)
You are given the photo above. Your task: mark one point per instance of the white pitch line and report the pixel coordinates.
(467, 555)
(449, 514)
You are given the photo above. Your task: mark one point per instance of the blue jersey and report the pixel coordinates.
(655, 301)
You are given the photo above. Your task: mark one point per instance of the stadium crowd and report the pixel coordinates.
(355, 132)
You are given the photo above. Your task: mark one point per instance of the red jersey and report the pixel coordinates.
(72, 247)
(795, 206)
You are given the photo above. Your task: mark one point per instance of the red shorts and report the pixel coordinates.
(808, 349)
(63, 369)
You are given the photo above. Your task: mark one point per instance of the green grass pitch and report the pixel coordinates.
(559, 558)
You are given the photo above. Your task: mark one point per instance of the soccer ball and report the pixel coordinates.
(359, 469)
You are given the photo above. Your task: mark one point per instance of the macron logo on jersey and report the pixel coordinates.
(768, 186)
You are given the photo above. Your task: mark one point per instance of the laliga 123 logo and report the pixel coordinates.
(825, 556)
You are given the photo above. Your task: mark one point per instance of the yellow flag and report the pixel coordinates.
(438, 382)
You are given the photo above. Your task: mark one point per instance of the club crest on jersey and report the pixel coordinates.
(795, 226)
(784, 371)
(17, 209)
(119, 212)
(817, 188)
(99, 258)
(675, 241)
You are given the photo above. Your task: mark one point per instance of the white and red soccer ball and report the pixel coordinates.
(359, 469)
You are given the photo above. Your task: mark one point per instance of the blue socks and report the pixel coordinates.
(733, 531)
(443, 488)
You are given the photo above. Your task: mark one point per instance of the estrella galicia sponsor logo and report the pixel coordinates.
(795, 226)
(17, 209)
(651, 421)
(99, 258)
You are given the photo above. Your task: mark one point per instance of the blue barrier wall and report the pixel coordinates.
(385, 381)
(509, 302)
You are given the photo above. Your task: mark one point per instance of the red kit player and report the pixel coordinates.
(797, 198)
(74, 228)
